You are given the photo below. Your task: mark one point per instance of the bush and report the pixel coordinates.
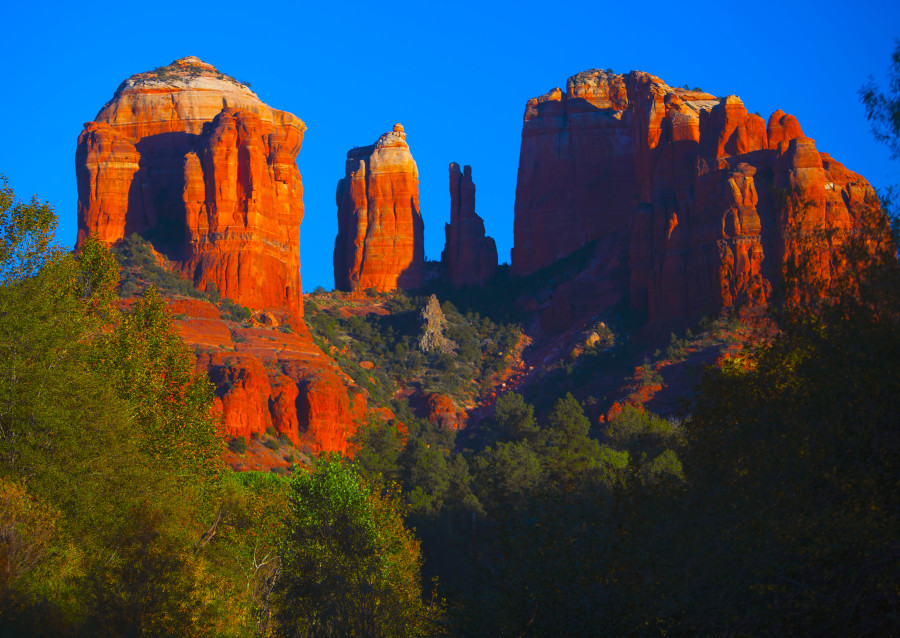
(237, 444)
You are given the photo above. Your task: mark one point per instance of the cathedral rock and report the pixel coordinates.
(380, 242)
(693, 202)
(192, 160)
(470, 257)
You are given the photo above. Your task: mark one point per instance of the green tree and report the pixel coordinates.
(883, 110)
(427, 478)
(149, 366)
(75, 433)
(149, 586)
(378, 452)
(506, 474)
(26, 235)
(568, 449)
(349, 565)
(514, 418)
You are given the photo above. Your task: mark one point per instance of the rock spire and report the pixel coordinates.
(470, 257)
(380, 240)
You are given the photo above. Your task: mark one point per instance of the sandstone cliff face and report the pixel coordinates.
(697, 198)
(380, 241)
(195, 162)
(266, 378)
(470, 257)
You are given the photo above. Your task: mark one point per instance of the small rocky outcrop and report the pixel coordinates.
(380, 242)
(433, 325)
(443, 413)
(470, 257)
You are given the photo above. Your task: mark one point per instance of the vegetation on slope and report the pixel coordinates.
(117, 516)
(390, 339)
(141, 269)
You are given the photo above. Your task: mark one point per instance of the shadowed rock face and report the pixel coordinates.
(195, 162)
(469, 256)
(692, 196)
(380, 242)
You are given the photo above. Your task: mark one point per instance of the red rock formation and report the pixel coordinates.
(442, 412)
(193, 160)
(470, 257)
(380, 241)
(696, 197)
(198, 164)
(266, 378)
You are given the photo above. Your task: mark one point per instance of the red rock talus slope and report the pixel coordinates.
(380, 241)
(266, 378)
(469, 256)
(195, 162)
(697, 202)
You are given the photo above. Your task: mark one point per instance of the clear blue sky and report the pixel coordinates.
(456, 75)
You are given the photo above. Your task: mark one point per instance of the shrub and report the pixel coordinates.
(648, 375)
(237, 444)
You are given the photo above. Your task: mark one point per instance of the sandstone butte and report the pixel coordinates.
(469, 256)
(695, 204)
(381, 238)
(193, 161)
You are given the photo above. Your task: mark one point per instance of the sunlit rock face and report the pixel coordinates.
(380, 242)
(695, 200)
(470, 257)
(193, 160)
(268, 379)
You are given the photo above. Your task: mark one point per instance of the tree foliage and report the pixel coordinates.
(883, 109)
(98, 468)
(26, 235)
(350, 566)
(149, 366)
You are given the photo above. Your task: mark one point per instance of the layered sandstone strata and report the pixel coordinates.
(470, 257)
(696, 202)
(194, 161)
(267, 379)
(380, 240)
